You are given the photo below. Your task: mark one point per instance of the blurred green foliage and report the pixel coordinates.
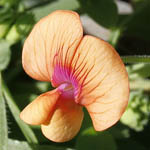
(129, 33)
(104, 12)
(138, 111)
(95, 140)
(21, 28)
(5, 54)
(3, 120)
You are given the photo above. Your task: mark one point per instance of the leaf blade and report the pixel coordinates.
(26, 130)
(22, 145)
(5, 54)
(42, 11)
(3, 121)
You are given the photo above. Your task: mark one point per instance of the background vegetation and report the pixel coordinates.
(129, 33)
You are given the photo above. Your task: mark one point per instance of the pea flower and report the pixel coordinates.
(85, 71)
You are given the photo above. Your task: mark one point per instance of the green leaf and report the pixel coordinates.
(114, 36)
(7, 14)
(137, 114)
(3, 121)
(90, 139)
(138, 70)
(102, 11)
(119, 131)
(49, 147)
(140, 84)
(18, 145)
(139, 24)
(8, 2)
(4, 28)
(130, 144)
(42, 11)
(28, 133)
(4, 54)
(21, 28)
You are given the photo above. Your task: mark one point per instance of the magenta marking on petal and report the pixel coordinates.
(64, 79)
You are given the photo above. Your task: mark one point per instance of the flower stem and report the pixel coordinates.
(136, 59)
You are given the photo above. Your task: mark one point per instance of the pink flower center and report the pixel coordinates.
(64, 79)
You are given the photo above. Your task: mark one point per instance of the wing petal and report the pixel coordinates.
(41, 109)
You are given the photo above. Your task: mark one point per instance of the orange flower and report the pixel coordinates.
(86, 71)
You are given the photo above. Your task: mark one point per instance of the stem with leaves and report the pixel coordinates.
(3, 121)
(136, 59)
